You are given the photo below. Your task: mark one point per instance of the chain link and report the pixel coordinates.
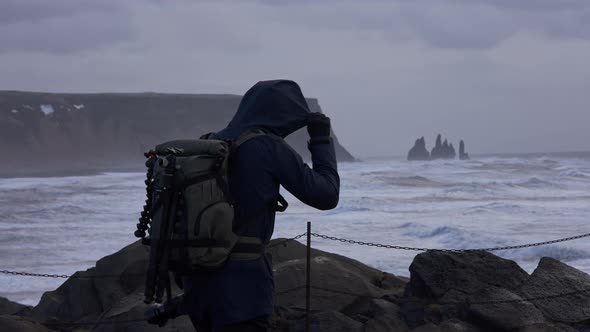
(28, 274)
(287, 240)
(388, 246)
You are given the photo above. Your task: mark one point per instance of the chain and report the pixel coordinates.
(74, 324)
(63, 276)
(388, 246)
(287, 240)
(536, 244)
(369, 244)
(28, 274)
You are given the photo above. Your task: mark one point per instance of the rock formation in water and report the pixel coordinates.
(446, 291)
(419, 151)
(462, 154)
(442, 150)
(50, 132)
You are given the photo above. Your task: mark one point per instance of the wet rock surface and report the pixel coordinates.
(447, 291)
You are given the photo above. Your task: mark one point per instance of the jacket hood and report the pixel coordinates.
(277, 107)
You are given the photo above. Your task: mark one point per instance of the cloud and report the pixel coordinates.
(64, 26)
(494, 73)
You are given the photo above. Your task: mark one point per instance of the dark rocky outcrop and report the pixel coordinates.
(96, 132)
(462, 154)
(13, 323)
(419, 151)
(447, 292)
(552, 274)
(442, 150)
(8, 307)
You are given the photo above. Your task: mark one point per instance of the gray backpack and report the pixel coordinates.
(189, 211)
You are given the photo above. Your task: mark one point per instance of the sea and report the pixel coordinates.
(59, 225)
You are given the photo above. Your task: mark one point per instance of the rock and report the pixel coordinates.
(329, 321)
(419, 151)
(386, 317)
(437, 151)
(553, 277)
(8, 307)
(426, 328)
(86, 298)
(462, 154)
(549, 327)
(338, 281)
(502, 316)
(455, 325)
(333, 282)
(118, 320)
(434, 273)
(451, 154)
(441, 282)
(10, 323)
(442, 150)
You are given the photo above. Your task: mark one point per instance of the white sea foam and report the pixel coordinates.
(61, 225)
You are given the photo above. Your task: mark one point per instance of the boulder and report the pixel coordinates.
(336, 280)
(429, 327)
(552, 277)
(419, 151)
(11, 323)
(434, 273)
(550, 327)
(441, 283)
(117, 296)
(82, 297)
(455, 325)
(329, 321)
(385, 317)
(8, 307)
(503, 316)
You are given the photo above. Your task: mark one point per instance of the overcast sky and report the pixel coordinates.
(505, 75)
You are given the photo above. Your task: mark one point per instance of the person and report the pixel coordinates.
(239, 296)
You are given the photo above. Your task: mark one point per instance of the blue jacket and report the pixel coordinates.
(243, 290)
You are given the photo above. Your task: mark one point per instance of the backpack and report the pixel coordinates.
(189, 211)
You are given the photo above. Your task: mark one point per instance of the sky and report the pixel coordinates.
(504, 75)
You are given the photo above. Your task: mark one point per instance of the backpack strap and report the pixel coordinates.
(281, 204)
(245, 137)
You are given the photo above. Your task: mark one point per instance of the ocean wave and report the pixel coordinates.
(424, 232)
(573, 173)
(410, 181)
(494, 207)
(347, 209)
(533, 182)
(61, 210)
(562, 253)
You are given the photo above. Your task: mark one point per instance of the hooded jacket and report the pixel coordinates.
(243, 290)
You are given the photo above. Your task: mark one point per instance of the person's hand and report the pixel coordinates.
(156, 315)
(318, 125)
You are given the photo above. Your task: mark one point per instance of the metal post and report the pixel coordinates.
(308, 279)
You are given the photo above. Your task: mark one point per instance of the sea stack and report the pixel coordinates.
(442, 150)
(419, 151)
(462, 154)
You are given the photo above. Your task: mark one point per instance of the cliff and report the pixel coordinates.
(48, 133)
